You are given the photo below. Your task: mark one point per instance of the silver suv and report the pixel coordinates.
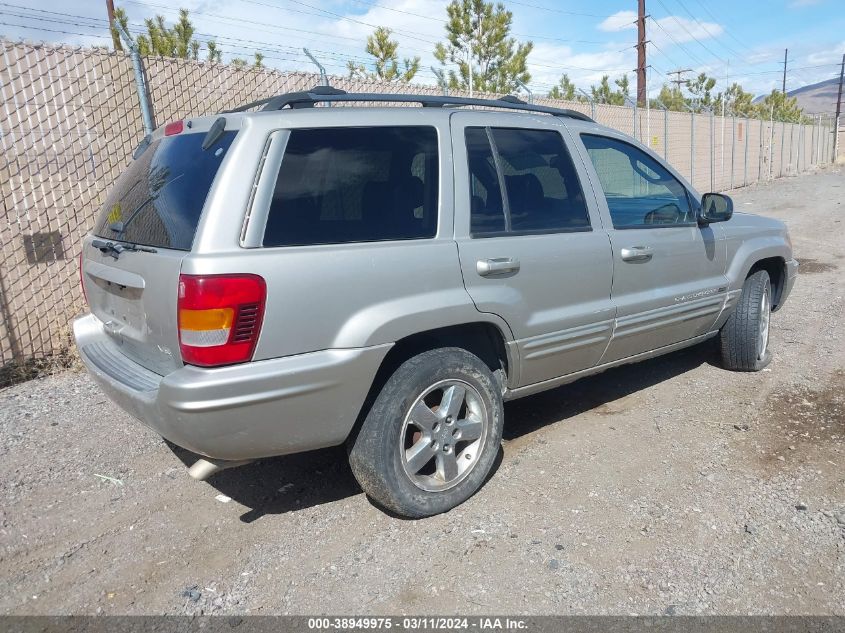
(274, 281)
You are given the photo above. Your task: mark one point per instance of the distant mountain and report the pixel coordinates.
(815, 98)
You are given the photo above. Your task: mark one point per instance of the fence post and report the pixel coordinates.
(324, 80)
(800, 147)
(635, 123)
(782, 139)
(760, 151)
(140, 81)
(526, 89)
(712, 152)
(745, 160)
(733, 147)
(791, 134)
(665, 134)
(825, 154)
(692, 148)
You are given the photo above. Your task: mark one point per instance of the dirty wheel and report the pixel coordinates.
(432, 435)
(744, 338)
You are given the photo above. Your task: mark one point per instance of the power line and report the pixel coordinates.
(690, 33)
(682, 47)
(728, 33)
(665, 55)
(336, 15)
(706, 30)
(561, 11)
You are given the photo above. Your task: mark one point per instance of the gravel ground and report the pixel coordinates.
(670, 486)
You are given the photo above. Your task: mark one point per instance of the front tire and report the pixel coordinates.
(432, 435)
(744, 338)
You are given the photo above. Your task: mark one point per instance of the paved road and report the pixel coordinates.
(666, 487)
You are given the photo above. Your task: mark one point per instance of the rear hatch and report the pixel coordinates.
(132, 260)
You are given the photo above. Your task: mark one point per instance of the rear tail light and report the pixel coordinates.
(175, 127)
(219, 318)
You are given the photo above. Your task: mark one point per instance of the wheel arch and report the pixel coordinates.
(489, 341)
(769, 253)
(776, 268)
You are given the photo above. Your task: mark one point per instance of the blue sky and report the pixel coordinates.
(584, 39)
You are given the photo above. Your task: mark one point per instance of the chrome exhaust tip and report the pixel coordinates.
(204, 468)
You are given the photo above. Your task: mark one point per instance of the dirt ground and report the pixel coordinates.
(671, 487)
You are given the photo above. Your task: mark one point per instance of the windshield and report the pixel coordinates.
(158, 199)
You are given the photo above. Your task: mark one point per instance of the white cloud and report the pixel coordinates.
(620, 21)
(672, 27)
(583, 69)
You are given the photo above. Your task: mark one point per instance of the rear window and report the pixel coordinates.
(543, 193)
(366, 184)
(157, 201)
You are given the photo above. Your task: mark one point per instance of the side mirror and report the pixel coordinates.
(715, 207)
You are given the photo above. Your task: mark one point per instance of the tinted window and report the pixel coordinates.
(542, 187)
(355, 185)
(638, 189)
(487, 213)
(159, 198)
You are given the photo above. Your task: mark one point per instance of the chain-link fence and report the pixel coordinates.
(71, 120)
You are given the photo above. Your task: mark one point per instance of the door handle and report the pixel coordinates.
(497, 266)
(637, 254)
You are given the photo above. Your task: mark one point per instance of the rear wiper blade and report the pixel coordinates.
(116, 248)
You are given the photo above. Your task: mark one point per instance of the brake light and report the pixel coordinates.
(174, 127)
(219, 318)
(82, 279)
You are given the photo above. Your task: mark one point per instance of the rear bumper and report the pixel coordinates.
(248, 411)
(791, 276)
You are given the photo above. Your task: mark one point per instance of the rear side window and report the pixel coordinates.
(338, 185)
(640, 192)
(158, 200)
(543, 193)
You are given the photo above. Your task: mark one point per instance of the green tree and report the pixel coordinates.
(238, 62)
(737, 102)
(564, 90)
(700, 91)
(604, 94)
(175, 41)
(214, 53)
(123, 20)
(386, 59)
(479, 32)
(258, 60)
(781, 108)
(670, 98)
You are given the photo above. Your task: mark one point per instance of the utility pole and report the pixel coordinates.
(785, 52)
(680, 80)
(838, 111)
(115, 38)
(641, 63)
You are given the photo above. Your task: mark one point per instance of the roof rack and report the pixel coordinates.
(327, 94)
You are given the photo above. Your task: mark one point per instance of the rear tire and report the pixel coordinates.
(744, 338)
(432, 435)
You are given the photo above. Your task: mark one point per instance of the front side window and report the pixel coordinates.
(362, 184)
(542, 190)
(640, 192)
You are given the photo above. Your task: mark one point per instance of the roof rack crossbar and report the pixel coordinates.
(327, 94)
